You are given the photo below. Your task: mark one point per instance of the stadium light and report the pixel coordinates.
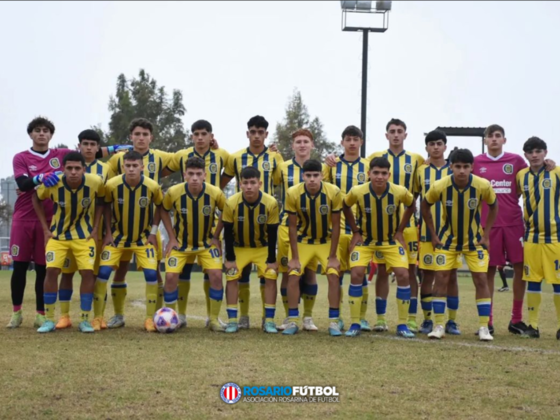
(368, 16)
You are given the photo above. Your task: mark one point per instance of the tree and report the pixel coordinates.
(5, 217)
(297, 116)
(61, 146)
(142, 97)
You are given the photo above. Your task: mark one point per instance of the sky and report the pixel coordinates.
(439, 64)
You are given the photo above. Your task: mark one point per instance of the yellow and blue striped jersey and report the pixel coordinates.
(193, 216)
(347, 175)
(462, 227)
(155, 161)
(314, 213)
(250, 220)
(74, 210)
(101, 169)
(214, 162)
(132, 209)
(541, 201)
(290, 174)
(268, 164)
(378, 216)
(425, 178)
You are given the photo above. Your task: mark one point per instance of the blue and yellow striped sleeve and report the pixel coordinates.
(168, 200)
(221, 201)
(290, 205)
(351, 198)
(43, 192)
(488, 194)
(337, 202)
(227, 215)
(407, 198)
(157, 197)
(273, 214)
(434, 193)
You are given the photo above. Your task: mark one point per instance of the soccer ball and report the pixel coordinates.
(166, 320)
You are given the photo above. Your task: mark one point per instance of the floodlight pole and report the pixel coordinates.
(364, 90)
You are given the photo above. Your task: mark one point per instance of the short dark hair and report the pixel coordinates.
(74, 157)
(250, 172)
(132, 155)
(40, 122)
(436, 135)
(195, 162)
(257, 121)
(534, 143)
(140, 122)
(379, 162)
(89, 135)
(461, 156)
(312, 165)
(352, 131)
(201, 125)
(395, 121)
(492, 128)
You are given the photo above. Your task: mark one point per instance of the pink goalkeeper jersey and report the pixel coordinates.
(30, 163)
(501, 173)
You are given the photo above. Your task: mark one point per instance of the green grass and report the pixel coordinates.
(129, 374)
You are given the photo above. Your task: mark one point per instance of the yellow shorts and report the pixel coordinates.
(283, 251)
(411, 239)
(541, 261)
(257, 256)
(477, 261)
(392, 255)
(344, 251)
(207, 258)
(427, 257)
(70, 266)
(309, 254)
(127, 256)
(145, 256)
(83, 251)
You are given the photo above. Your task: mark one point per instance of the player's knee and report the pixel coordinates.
(104, 272)
(150, 276)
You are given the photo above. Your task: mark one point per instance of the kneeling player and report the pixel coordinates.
(250, 222)
(461, 195)
(378, 202)
(313, 209)
(128, 217)
(194, 205)
(74, 228)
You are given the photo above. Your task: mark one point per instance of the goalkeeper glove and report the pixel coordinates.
(48, 179)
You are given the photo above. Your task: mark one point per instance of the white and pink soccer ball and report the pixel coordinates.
(166, 320)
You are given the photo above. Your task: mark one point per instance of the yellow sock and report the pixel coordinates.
(262, 298)
(215, 305)
(308, 304)
(172, 306)
(365, 295)
(65, 308)
(269, 312)
(534, 304)
(151, 299)
(206, 286)
(104, 303)
(49, 311)
(403, 306)
(99, 292)
(557, 305)
(453, 314)
(184, 289)
(244, 296)
(159, 298)
(426, 303)
(118, 293)
(232, 313)
(355, 307)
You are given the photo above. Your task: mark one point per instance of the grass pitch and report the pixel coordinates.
(129, 374)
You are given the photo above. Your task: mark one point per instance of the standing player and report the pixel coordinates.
(78, 207)
(251, 222)
(129, 214)
(215, 161)
(428, 174)
(540, 189)
(313, 209)
(290, 174)
(500, 169)
(37, 166)
(377, 204)
(89, 146)
(461, 195)
(268, 164)
(350, 170)
(194, 204)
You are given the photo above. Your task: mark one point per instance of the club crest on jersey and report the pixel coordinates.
(546, 184)
(361, 177)
(86, 202)
(143, 202)
(105, 255)
(428, 259)
(284, 261)
(15, 250)
(152, 167)
(379, 255)
(324, 209)
(49, 257)
(213, 168)
(472, 203)
(390, 209)
(55, 163)
(266, 166)
(261, 220)
(172, 262)
(206, 210)
(355, 256)
(440, 260)
(508, 168)
(408, 168)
